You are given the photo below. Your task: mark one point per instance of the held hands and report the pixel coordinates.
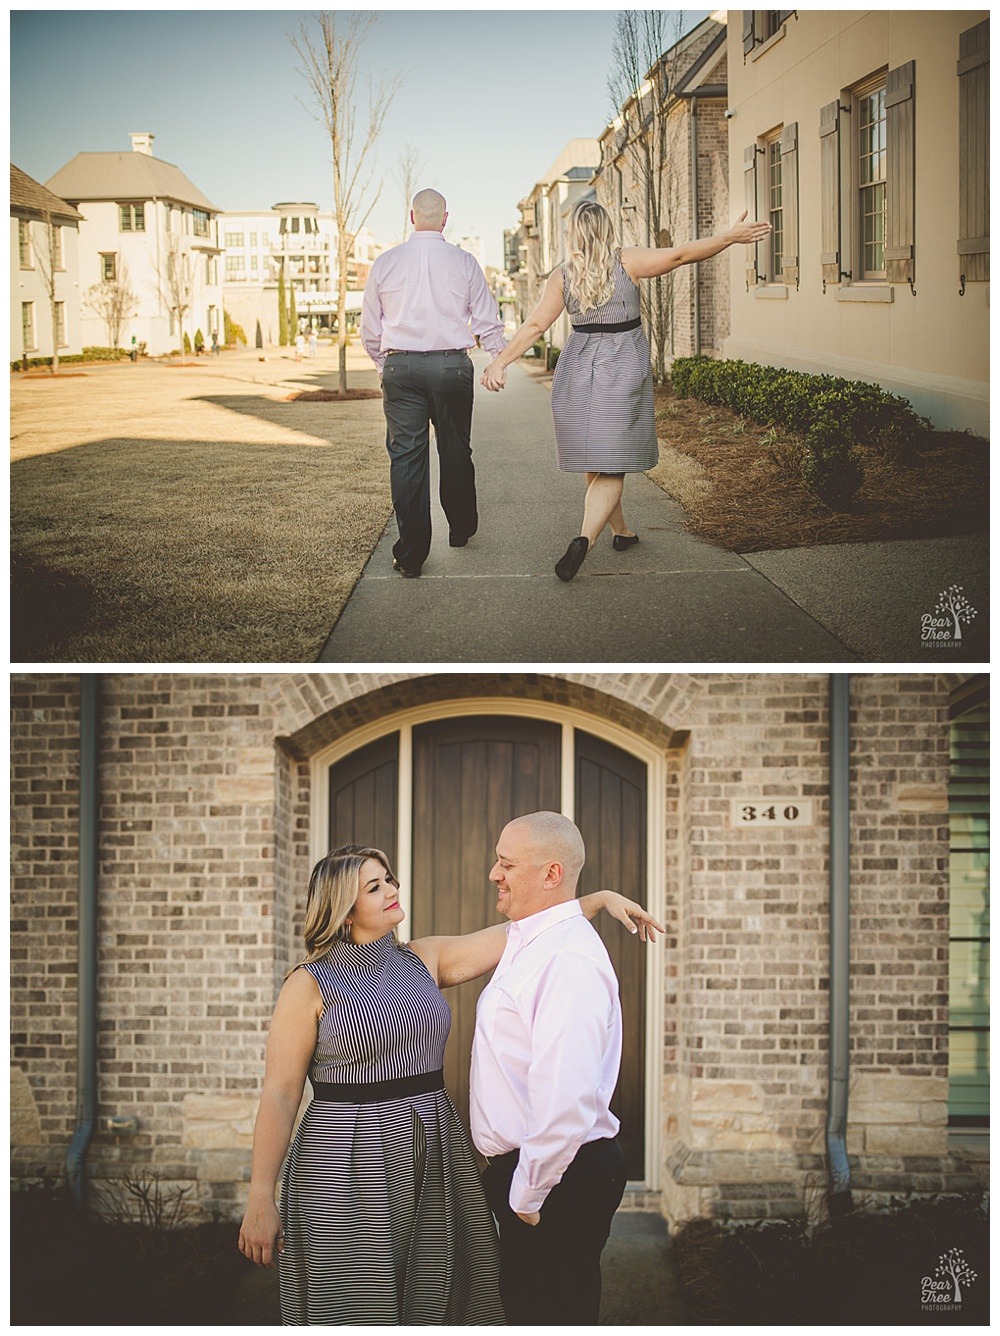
(261, 1237)
(632, 915)
(495, 376)
(745, 233)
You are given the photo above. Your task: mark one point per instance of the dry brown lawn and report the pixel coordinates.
(163, 515)
(740, 486)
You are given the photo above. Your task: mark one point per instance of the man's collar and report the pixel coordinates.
(527, 929)
(426, 232)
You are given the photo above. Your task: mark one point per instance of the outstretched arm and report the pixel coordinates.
(455, 960)
(643, 262)
(545, 314)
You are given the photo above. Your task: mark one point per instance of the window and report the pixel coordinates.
(28, 326)
(24, 244)
(131, 218)
(233, 239)
(253, 238)
(234, 267)
(57, 248)
(871, 174)
(109, 267)
(760, 25)
(60, 324)
(775, 213)
(974, 153)
(200, 222)
(969, 931)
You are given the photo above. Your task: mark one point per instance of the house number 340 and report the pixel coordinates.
(784, 812)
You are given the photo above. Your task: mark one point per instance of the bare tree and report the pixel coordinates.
(114, 302)
(408, 173)
(650, 142)
(48, 259)
(329, 65)
(176, 280)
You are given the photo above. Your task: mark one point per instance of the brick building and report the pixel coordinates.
(707, 796)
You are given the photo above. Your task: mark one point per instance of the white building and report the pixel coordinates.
(145, 224)
(32, 207)
(299, 239)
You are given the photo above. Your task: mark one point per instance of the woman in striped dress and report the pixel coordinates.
(383, 1220)
(602, 390)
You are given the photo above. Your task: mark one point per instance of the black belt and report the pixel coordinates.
(427, 352)
(372, 1091)
(608, 329)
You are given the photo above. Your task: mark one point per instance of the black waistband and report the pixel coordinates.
(608, 329)
(427, 352)
(372, 1091)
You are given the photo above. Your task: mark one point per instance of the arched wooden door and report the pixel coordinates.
(470, 776)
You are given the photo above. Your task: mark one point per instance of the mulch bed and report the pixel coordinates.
(330, 396)
(740, 486)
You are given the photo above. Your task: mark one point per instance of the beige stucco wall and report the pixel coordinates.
(932, 347)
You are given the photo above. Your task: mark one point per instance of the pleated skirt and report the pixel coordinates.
(385, 1219)
(602, 404)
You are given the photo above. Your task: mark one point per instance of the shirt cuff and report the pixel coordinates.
(524, 1200)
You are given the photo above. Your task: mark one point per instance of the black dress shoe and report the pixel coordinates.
(410, 575)
(572, 559)
(621, 542)
(455, 541)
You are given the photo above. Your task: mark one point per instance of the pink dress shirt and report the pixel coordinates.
(427, 294)
(546, 1051)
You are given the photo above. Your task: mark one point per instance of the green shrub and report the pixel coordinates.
(836, 416)
(199, 341)
(88, 355)
(187, 342)
(232, 332)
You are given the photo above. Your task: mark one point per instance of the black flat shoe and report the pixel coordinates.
(410, 575)
(572, 559)
(622, 542)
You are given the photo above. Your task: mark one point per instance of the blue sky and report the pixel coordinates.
(489, 99)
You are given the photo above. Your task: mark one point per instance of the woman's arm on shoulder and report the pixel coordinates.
(455, 960)
(635, 918)
(650, 262)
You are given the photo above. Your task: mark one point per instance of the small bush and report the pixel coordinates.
(187, 342)
(232, 332)
(88, 355)
(199, 341)
(839, 418)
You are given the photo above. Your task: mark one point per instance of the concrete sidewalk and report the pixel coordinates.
(672, 598)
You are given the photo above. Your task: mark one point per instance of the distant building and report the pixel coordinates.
(32, 208)
(474, 245)
(677, 123)
(142, 219)
(863, 136)
(303, 241)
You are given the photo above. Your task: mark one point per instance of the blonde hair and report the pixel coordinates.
(590, 240)
(334, 888)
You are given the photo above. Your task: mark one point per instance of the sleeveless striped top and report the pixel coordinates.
(383, 1014)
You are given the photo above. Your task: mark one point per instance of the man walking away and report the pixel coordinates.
(545, 1062)
(425, 304)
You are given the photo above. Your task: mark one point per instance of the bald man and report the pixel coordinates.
(545, 1062)
(425, 304)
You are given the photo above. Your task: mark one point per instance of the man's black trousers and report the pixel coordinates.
(550, 1273)
(419, 389)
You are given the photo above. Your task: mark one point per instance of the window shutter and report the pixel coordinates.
(829, 159)
(900, 155)
(748, 35)
(790, 203)
(974, 152)
(750, 204)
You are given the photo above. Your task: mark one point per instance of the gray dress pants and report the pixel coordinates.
(419, 389)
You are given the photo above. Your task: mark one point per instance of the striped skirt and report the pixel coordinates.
(602, 404)
(385, 1219)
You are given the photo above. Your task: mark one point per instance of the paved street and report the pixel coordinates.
(672, 598)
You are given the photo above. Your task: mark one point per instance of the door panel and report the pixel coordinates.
(363, 797)
(611, 814)
(470, 777)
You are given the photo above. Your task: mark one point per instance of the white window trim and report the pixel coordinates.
(568, 718)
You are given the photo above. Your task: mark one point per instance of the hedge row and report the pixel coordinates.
(88, 355)
(837, 417)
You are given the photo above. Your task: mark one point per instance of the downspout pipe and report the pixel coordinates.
(839, 1192)
(86, 1018)
(696, 275)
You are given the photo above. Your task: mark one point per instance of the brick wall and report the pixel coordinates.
(205, 816)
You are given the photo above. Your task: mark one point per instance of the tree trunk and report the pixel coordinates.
(342, 307)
